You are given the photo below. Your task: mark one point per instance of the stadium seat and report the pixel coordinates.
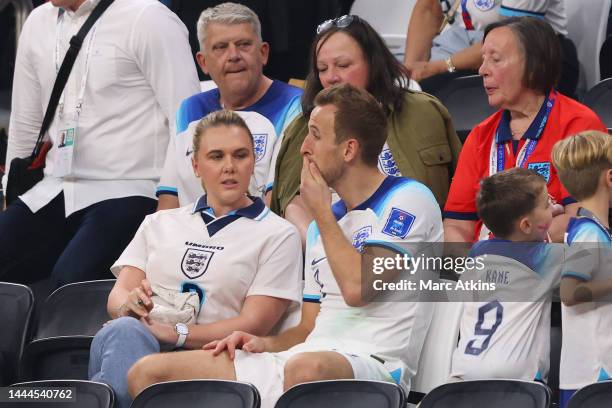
(16, 304)
(488, 393)
(75, 309)
(586, 26)
(300, 83)
(390, 21)
(343, 394)
(88, 394)
(437, 354)
(3, 146)
(596, 395)
(605, 59)
(599, 98)
(4, 121)
(466, 100)
(198, 393)
(70, 318)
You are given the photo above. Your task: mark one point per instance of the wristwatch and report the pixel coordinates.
(450, 67)
(182, 330)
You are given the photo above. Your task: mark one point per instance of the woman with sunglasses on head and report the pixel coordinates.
(421, 141)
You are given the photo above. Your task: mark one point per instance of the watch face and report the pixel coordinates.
(181, 328)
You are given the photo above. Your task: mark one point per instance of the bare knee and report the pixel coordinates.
(145, 372)
(178, 365)
(302, 368)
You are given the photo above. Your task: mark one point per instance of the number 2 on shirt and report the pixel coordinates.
(491, 307)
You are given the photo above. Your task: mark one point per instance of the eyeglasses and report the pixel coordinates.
(340, 22)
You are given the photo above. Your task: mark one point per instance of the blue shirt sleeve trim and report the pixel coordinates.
(513, 12)
(269, 187)
(181, 117)
(576, 275)
(568, 201)
(603, 375)
(166, 190)
(312, 299)
(464, 216)
(289, 113)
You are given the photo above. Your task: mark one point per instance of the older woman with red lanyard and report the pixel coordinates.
(521, 64)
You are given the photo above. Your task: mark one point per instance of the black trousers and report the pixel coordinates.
(77, 248)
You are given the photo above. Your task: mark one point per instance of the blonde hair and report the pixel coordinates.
(218, 118)
(580, 160)
(227, 13)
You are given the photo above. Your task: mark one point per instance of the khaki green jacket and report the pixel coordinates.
(421, 138)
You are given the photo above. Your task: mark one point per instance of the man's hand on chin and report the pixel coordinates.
(314, 189)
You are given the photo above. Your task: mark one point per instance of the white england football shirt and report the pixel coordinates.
(481, 13)
(586, 351)
(224, 259)
(266, 119)
(505, 333)
(401, 210)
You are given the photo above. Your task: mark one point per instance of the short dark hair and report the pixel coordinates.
(388, 78)
(507, 196)
(358, 116)
(541, 48)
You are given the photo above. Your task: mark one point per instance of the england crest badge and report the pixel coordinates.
(542, 168)
(484, 5)
(195, 262)
(260, 141)
(387, 163)
(360, 236)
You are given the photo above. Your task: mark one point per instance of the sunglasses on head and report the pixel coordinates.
(340, 22)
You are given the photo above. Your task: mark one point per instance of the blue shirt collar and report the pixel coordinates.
(583, 212)
(339, 208)
(256, 106)
(252, 211)
(504, 134)
(527, 253)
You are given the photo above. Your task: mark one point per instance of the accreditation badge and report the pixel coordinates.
(66, 139)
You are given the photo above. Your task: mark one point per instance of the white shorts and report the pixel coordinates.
(266, 371)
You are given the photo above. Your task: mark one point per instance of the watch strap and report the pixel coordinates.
(450, 67)
(182, 337)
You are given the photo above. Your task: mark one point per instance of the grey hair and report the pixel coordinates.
(227, 13)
